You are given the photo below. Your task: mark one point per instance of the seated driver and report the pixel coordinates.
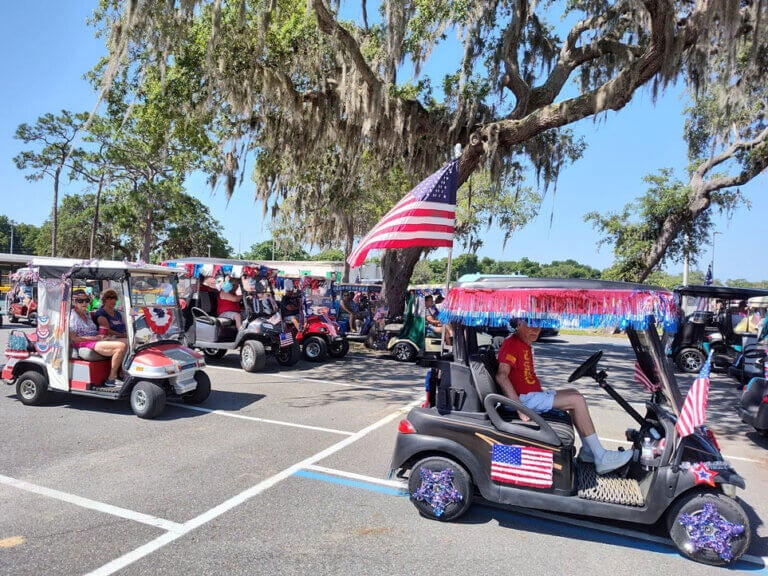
(517, 379)
(228, 304)
(290, 305)
(430, 316)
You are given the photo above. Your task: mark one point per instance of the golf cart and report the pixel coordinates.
(468, 438)
(320, 336)
(710, 320)
(157, 365)
(262, 333)
(21, 300)
(750, 362)
(367, 302)
(415, 338)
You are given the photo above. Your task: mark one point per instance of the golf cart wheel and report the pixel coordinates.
(253, 358)
(691, 506)
(440, 488)
(214, 353)
(203, 390)
(33, 319)
(12, 318)
(32, 388)
(339, 349)
(690, 360)
(315, 349)
(404, 352)
(289, 355)
(147, 399)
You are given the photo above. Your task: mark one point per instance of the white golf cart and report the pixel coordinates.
(157, 364)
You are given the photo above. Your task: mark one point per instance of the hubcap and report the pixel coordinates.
(140, 399)
(691, 361)
(247, 355)
(28, 389)
(313, 349)
(402, 352)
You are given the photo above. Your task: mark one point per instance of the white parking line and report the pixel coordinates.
(157, 543)
(171, 527)
(264, 420)
(322, 381)
(363, 478)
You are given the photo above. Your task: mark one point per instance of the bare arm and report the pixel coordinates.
(502, 379)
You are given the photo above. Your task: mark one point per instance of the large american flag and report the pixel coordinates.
(522, 465)
(695, 405)
(426, 216)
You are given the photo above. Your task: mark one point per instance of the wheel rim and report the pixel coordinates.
(248, 355)
(691, 361)
(28, 389)
(210, 351)
(140, 399)
(313, 349)
(402, 352)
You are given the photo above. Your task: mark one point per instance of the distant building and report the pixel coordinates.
(325, 268)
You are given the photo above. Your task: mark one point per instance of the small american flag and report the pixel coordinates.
(426, 216)
(640, 376)
(695, 406)
(286, 339)
(522, 465)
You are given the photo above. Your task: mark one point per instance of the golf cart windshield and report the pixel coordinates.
(573, 303)
(154, 309)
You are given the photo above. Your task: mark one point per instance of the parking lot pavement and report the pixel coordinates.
(283, 472)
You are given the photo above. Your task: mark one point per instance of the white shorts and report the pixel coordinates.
(231, 315)
(538, 401)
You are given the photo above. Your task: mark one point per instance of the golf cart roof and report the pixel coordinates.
(494, 300)
(92, 269)
(725, 292)
(359, 287)
(14, 260)
(233, 267)
(758, 302)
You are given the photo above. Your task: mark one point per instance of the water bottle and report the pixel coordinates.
(646, 452)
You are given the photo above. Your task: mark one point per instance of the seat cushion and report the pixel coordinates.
(87, 354)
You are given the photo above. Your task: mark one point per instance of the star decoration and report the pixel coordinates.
(703, 475)
(437, 490)
(708, 529)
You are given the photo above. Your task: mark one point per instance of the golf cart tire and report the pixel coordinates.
(315, 349)
(690, 360)
(253, 357)
(289, 355)
(203, 390)
(33, 319)
(462, 482)
(339, 349)
(693, 503)
(32, 388)
(214, 353)
(11, 318)
(404, 352)
(147, 399)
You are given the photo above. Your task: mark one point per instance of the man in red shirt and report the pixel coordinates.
(517, 379)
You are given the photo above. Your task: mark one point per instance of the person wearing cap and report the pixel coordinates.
(108, 318)
(517, 379)
(84, 333)
(228, 304)
(430, 316)
(290, 305)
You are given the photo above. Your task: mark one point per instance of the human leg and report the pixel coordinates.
(605, 460)
(116, 350)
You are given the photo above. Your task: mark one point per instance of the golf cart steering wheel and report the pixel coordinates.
(588, 367)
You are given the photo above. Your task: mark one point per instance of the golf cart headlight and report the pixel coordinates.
(322, 330)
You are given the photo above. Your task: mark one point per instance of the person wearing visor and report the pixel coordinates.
(85, 334)
(518, 380)
(228, 304)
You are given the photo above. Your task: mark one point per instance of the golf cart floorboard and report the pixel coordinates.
(607, 488)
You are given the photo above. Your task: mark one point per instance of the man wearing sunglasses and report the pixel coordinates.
(85, 334)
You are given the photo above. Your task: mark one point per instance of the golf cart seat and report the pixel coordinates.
(208, 326)
(86, 354)
(553, 427)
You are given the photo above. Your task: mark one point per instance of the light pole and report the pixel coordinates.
(12, 223)
(712, 264)
(209, 250)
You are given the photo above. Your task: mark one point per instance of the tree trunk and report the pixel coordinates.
(397, 267)
(95, 225)
(55, 214)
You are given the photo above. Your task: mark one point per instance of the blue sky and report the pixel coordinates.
(43, 70)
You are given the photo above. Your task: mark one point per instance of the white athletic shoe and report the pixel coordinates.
(612, 460)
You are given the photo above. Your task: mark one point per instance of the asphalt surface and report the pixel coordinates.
(284, 472)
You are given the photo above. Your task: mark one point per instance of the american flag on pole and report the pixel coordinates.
(640, 376)
(522, 465)
(426, 216)
(695, 405)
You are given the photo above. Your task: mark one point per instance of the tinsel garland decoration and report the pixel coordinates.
(709, 530)
(437, 490)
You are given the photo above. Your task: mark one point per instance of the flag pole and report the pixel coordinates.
(448, 271)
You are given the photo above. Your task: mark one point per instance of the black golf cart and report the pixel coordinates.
(710, 318)
(262, 333)
(467, 438)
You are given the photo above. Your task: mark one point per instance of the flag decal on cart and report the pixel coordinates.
(522, 465)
